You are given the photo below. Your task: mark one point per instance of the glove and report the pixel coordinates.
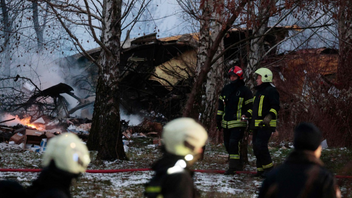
(266, 121)
(218, 125)
(261, 124)
(244, 118)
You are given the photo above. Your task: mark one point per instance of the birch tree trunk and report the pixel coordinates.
(214, 81)
(105, 134)
(193, 103)
(6, 63)
(256, 48)
(204, 45)
(39, 30)
(255, 55)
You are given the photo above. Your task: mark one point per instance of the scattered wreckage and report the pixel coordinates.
(34, 135)
(42, 114)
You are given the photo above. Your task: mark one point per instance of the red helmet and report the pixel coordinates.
(236, 70)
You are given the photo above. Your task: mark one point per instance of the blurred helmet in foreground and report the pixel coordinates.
(68, 152)
(184, 136)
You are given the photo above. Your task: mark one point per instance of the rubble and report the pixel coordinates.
(19, 136)
(34, 139)
(146, 129)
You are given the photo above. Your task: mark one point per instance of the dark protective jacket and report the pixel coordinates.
(234, 101)
(11, 189)
(266, 101)
(170, 181)
(51, 183)
(301, 175)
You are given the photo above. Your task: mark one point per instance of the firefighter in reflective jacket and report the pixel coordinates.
(182, 142)
(234, 101)
(266, 104)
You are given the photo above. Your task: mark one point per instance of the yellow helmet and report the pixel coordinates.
(267, 75)
(68, 152)
(183, 136)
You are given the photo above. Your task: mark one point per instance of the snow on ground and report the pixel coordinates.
(205, 182)
(132, 183)
(15, 147)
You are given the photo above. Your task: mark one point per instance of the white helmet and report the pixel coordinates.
(184, 136)
(68, 152)
(267, 75)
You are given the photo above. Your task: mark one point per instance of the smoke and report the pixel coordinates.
(44, 70)
(133, 119)
(39, 67)
(7, 116)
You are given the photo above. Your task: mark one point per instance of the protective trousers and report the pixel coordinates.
(260, 141)
(232, 138)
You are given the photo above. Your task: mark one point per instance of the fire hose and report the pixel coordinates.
(146, 169)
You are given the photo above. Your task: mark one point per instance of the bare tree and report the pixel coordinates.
(9, 14)
(210, 26)
(229, 17)
(261, 21)
(38, 27)
(324, 97)
(259, 13)
(102, 18)
(344, 17)
(7, 29)
(26, 29)
(340, 13)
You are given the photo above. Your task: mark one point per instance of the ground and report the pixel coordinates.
(142, 153)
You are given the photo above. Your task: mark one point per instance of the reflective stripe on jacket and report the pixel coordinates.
(266, 101)
(234, 101)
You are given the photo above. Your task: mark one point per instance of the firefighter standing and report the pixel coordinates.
(263, 115)
(302, 174)
(183, 139)
(234, 101)
(65, 158)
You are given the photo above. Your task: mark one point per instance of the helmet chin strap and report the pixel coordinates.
(181, 164)
(192, 158)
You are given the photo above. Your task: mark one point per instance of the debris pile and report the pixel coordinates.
(34, 135)
(147, 128)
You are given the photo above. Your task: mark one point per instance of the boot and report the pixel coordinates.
(240, 165)
(258, 174)
(234, 165)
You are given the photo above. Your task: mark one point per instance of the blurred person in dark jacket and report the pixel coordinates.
(182, 142)
(303, 173)
(11, 189)
(65, 158)
(234, 101)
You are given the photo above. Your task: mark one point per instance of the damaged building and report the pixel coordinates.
(156, 74)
